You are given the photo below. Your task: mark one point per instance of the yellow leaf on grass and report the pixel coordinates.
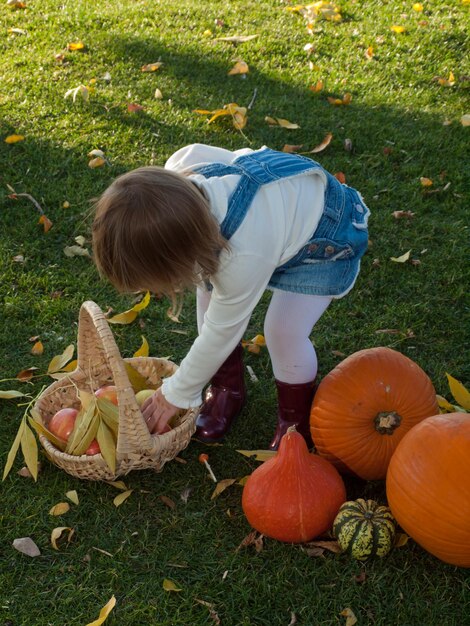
(398, 29)
(401, 259)
(447, 82)
(105, 611)
(222, 486)
(317, 87)
(151, 67)
(16, 4)
(119, 499)
(78, 45)
(292, 149)
(279, 121)
(259, 340)
(72, 496)
(14, 138)
(459, 391)
(237, 38)
(144, 348)
(259, 455)
(240, 67)
(169, 585)
(129, 316)
(324, 144)
(9, 395)
(401, 539)
(118, 484)
(14, 449)
(96, 162)
(57, 533)
(351, 619)
(465, 119)
(369, 53)
(444, 404)
(29, 448)
(46, 222)
(426, 182)
(60, 508)
(38, 348)
(345, 100)
(418, 7)
(238, 114)
(58, 362)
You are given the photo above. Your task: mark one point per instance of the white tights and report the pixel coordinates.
(289, 321)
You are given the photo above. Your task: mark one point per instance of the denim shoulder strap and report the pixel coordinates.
(255, 169)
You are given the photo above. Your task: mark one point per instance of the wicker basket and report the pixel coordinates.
(100, 363)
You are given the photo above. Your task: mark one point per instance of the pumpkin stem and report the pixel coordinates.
(386, 422)
(292, 429)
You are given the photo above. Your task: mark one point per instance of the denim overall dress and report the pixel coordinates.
(328, 264)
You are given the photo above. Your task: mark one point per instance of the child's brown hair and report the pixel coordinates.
(153, 230)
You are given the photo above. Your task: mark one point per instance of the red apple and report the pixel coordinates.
(61, 423)
(93, 448)
(108, 392)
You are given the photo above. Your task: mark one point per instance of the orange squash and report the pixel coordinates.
(428, 486)
(364, 407)
(295, 495)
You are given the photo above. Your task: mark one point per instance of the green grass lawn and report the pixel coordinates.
(403, 124)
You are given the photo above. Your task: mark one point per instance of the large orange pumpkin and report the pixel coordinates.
(428, 486)
(364, 407)
(294, 496)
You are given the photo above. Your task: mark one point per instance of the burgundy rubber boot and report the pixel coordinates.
(224, 399)
(294, 404)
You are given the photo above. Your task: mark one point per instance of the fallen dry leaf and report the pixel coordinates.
(129, 316)
(72, 251)
(134, 108)
(290, 149)
(361, 577)
(426, 182)
(14, 138)
(401, 259)
(57, 533)
(252, 539)
(37, 349)
(351, 619)
(465, 119)
(11, 394)
(26, 545)
(60, 508)
(240, 67)
(26, 374)
(401, 539)
(341, 176)
(317, 87)
(72, 496)
(105, 611)
(222, 486)
(279, 121)
(46, 222)
(258, 455)
(151, 67)
(398, 30)
(169, 585)
(324, 144)
(345, 100)
(168, 502)
(237, 38)
(401, 214)
(78, 45)
(118, 500)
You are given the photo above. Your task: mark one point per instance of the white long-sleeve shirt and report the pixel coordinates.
(280, 220)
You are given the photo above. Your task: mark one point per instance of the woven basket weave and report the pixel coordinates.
(100, 363)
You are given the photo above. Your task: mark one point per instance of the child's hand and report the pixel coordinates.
(157, 411)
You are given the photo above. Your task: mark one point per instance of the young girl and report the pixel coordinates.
(234, 224)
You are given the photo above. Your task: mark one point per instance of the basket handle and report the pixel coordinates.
(95, 345)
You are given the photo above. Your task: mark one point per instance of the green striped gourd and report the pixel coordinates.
(363, 529)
